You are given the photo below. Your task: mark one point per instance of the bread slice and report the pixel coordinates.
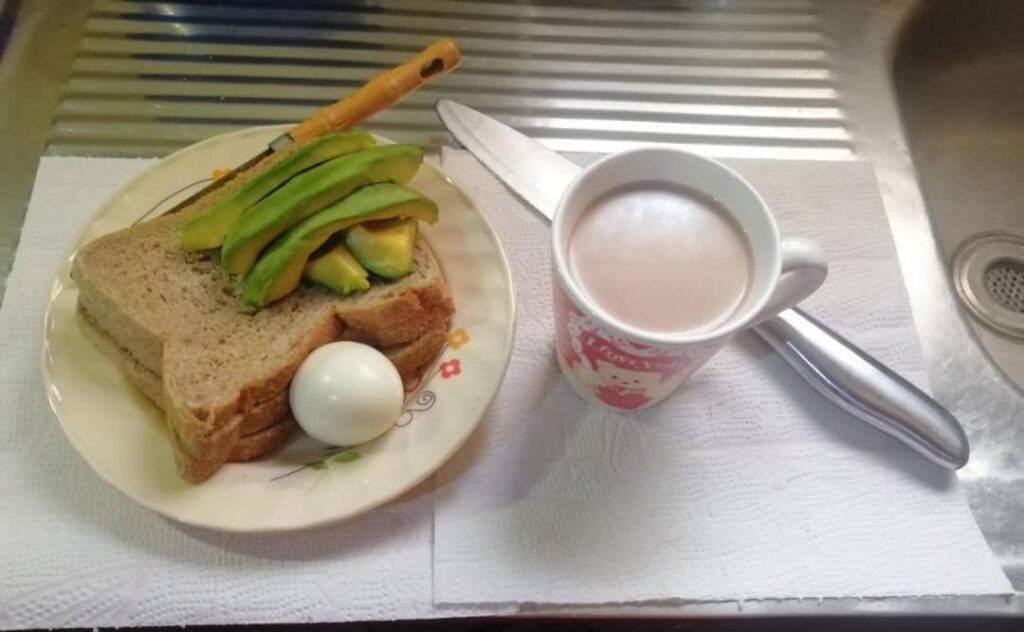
(219, 369)
(268, 424)
(407, 357)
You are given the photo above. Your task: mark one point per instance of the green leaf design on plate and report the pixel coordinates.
(346, 457)
(317, 465)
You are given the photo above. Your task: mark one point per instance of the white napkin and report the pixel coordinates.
(744, 485)
(74, 552)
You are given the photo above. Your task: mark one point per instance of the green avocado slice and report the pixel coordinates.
(308, 192)
(384, 247)
(336, 269)
(206, 228)
(279, 270)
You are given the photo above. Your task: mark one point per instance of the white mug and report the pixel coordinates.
(618, 365)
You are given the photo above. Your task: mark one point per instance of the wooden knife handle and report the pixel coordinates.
(381, 92)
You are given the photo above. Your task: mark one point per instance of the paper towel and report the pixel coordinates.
(74, 552)
(744, 485)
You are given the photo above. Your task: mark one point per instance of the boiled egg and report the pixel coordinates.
(346, 393)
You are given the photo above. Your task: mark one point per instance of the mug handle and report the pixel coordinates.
(804, 269)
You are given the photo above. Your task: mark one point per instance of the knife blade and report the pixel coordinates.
(539, 180)
(841, 372)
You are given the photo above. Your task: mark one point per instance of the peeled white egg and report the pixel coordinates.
(346, 393)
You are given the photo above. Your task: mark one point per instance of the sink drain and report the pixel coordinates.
(1004, 281)
(988, 271)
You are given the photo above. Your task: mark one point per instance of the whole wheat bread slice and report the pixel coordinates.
(223, 369)
(267, 424)
(408, 358)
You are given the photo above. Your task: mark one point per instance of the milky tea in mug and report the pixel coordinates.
(661, 257)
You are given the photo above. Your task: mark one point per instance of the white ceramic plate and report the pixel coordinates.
(121, 434)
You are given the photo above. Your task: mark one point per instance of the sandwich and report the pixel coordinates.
(209, 311)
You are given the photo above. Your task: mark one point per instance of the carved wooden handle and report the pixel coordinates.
(381, 92)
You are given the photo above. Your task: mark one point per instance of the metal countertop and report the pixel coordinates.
(787, 79)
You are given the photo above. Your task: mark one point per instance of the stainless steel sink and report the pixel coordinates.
(959, 75)
(7, 11)
(930, 93)
(935, 91)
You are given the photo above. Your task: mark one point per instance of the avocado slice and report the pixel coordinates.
(309, 192)
(279, 269)
(206, 228)
(336, 269)
(384, 247)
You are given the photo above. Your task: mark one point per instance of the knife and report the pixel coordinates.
(841, 372)
(380, 93)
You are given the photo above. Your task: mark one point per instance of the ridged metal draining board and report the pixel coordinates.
(748, 78)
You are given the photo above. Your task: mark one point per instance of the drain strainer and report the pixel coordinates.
(988, 271)
(1004, 281)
